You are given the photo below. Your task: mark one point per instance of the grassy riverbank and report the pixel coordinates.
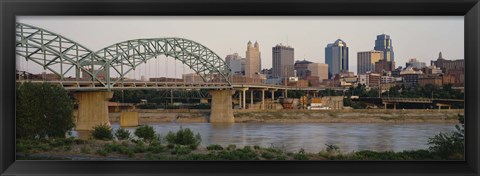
(303, 116)
(75, 149)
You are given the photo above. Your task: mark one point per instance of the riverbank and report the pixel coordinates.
(303, 116)
(76, 149)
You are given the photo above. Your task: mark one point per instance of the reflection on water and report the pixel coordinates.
(312, 136)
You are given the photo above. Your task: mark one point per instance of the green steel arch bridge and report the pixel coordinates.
(62, 56)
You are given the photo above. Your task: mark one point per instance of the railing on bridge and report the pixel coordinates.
(89, 85)
(407, 100)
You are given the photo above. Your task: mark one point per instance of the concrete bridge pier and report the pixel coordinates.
(92, 109)
(221, 110)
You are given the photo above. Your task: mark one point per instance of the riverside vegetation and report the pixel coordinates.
(40, 135)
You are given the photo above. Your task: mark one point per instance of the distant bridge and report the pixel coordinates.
(439, 102)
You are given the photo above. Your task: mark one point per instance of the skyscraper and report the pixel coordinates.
(336, 56)
(384, 43)
(236, 63)
(253, 63)
(366, 60)
(282, 61)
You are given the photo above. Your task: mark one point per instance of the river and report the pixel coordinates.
(312, 137)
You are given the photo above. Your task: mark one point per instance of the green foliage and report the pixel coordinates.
(181, 150)
(332, 148)
(102, 132)
(214, 147)
(170, 146)
(231, 147)
(184, 137)
(281, 157)
(238, 154)
(122, 134)
(118, 148)
(300, 155)
(145, 132)
(37, 145)
(139, 147)
(43, 110)
(85, 150)
(387, 155)
(267, 155)
(103, 152)
(156, 147)
(450, 145)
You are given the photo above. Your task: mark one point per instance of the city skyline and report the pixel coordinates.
(308, 35)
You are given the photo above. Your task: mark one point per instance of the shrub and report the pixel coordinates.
(122, 134)
(332, 148)
(238, 154)
(449, 145)
(38, 113)
(300, 155)
(184, 137)
(139, 148)
(181, 150)
(231, 147)
(103, 152)
(85, 150)
(146, 132)
(156, 147)
(281, 157)
(102, 132)
(267, 155)
(214, 147)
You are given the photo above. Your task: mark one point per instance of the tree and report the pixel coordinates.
(43, 110)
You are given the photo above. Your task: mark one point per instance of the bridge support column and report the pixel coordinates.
(221, 110)
(244, 91)
(240, 100)
(92, 109)
(251, 99)
(263, 99)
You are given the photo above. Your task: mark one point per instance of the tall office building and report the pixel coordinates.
(366, 60)
(253, 63)
(384, 43)
(283, 61)
(336, 56)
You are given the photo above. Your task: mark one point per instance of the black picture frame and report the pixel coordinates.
(9, 9)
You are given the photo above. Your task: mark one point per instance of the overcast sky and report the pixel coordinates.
(412, 37)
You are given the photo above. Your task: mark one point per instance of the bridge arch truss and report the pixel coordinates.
(61, 56)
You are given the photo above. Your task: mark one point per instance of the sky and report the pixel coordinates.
(421, 37)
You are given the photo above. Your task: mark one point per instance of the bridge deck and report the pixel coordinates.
(131, 85)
